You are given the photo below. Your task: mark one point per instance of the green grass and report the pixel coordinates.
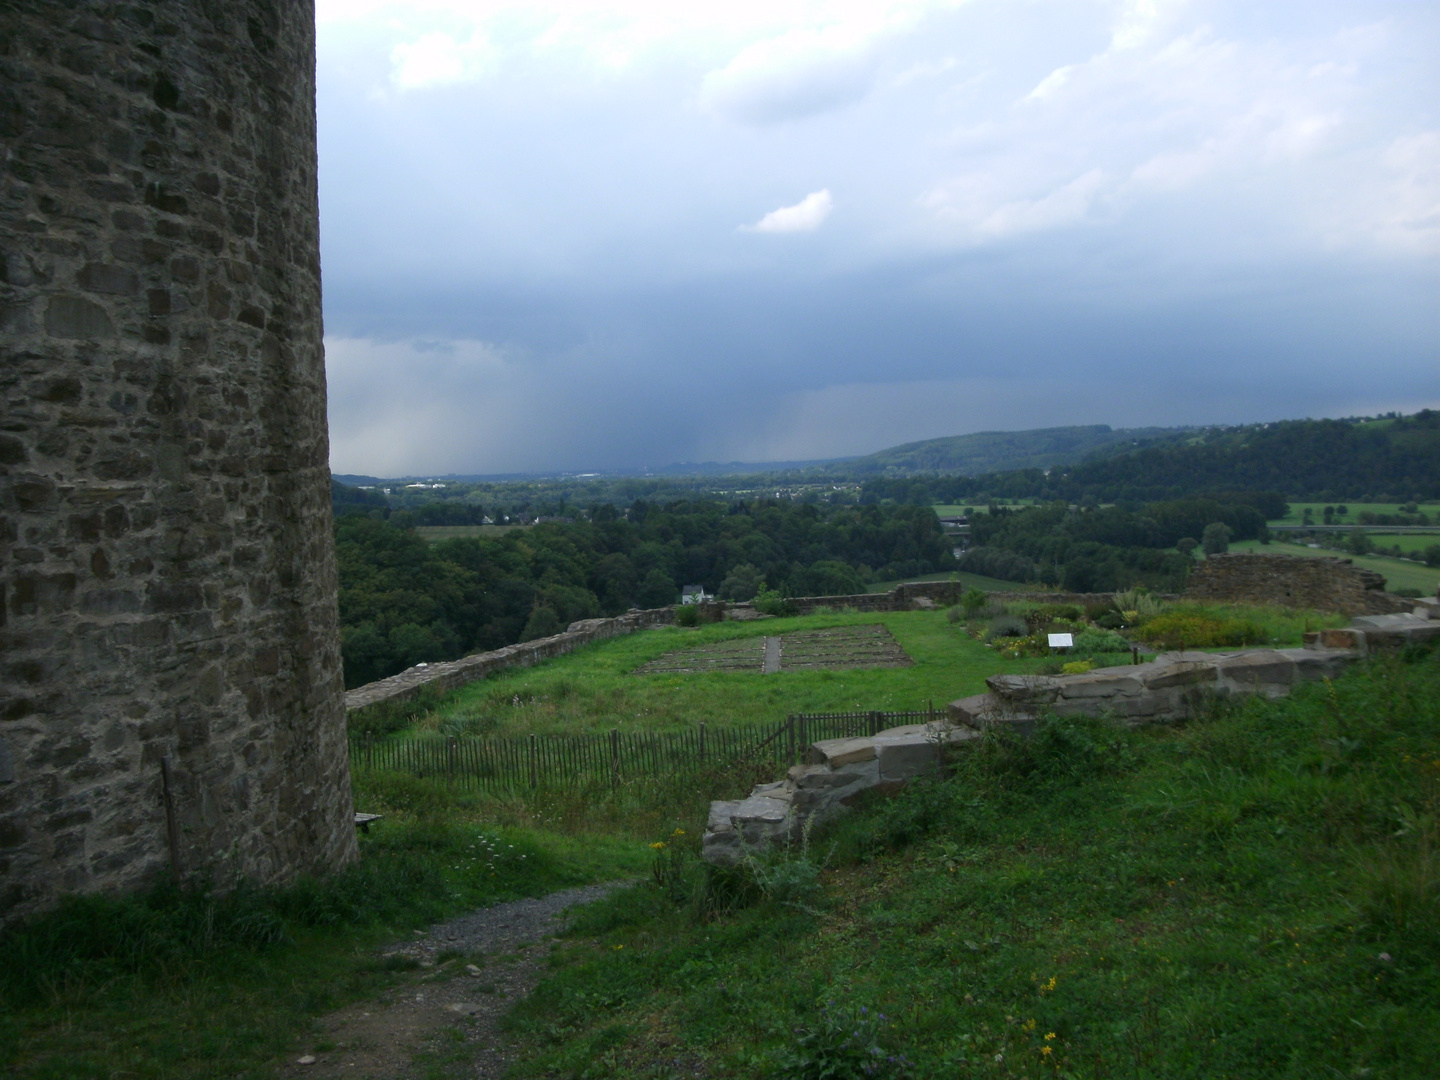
(1297, 511)
(594, 690)
(180, 984)
(1255, 894)
(1416, 542)
(1399, 573)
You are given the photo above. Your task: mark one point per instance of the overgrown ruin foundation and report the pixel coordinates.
(167, 574)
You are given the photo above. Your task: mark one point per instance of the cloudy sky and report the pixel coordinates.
(566, 235)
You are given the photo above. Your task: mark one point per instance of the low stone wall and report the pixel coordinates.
(451, 674)
(1294, 581)
(1175, 686)
(448, 675)
(922, 595)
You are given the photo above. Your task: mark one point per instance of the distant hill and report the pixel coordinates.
(1369, 459)
(1002, 451)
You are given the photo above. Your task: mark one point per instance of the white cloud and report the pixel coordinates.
(804, 216)
(1051, 83)
(800, 73)
(437, 58)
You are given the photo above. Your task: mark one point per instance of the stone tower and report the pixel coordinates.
(167, 575)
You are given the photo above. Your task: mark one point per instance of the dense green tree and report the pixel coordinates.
(1215, 540)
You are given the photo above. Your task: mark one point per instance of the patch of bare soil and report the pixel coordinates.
(451, 1010)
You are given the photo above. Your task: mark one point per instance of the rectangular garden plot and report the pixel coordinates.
(834, 649)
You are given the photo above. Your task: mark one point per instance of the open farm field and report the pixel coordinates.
(1355, 509)
(1407, 542)
(1399, 573)
(956, 509)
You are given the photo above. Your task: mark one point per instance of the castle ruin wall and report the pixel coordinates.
(167, 573)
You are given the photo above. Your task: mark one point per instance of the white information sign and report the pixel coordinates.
(1062, 641)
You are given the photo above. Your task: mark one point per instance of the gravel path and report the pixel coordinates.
(503, 926)
(452, 1007)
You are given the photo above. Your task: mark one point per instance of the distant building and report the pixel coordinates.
(694, 594)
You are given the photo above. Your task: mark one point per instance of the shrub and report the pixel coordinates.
(973, 601)
(1076, 667)
(687, 615)
(1007, 626)
(1095, 641)
(1215, 540)
(770, 602)
(1192, 630)
(844, 1042)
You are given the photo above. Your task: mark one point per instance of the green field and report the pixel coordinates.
(1417, 542)
(956, 509)
(1399, 573)
(595, 690)
(1252, 894)
(1355, 509)
(1255, 894)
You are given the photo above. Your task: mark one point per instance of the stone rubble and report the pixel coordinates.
(1175, 686)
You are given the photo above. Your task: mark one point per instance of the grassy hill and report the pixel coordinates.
(998, 451)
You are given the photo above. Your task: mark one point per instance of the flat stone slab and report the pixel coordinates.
(837, 752)
(1025, 689)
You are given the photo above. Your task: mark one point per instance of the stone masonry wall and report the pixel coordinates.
(451, 674)
(1296, 581)
(167, 575)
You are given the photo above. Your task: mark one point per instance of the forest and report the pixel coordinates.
(1395, 459)
(404, 600)
(1102, 549)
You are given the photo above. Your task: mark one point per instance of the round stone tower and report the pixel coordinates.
(170, 679)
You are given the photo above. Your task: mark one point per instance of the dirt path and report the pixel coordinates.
(452, 1010)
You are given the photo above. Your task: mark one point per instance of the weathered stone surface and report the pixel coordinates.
(838, 772)
(903, 757)
(837, 752)
(1025, 689)
(167, 577)
(1295, 581)
(1160, 675)
(1267, 672)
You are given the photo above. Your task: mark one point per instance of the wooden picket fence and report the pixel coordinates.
(601, 758)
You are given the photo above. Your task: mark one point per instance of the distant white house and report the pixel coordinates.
(694, 594)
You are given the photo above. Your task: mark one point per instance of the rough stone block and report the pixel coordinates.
(1264, 671)
(1181, 673)
(837, 752)
(1102, 683)
(1025, 689)
(974, 711)
(906, 756)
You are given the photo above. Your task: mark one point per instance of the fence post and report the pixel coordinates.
(533, 782)
(790, 739)
(702, 742)
(874, 724)
(450, 751)
(615, 758)
(369, 749)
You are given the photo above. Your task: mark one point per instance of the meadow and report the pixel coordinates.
(1251, 894)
